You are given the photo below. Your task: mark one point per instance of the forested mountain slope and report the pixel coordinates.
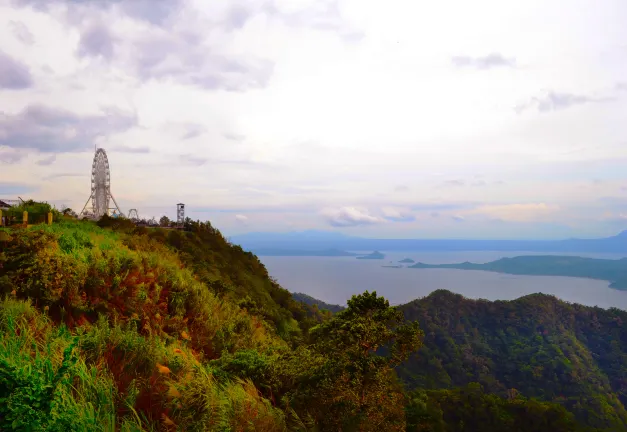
(537, 345)
(121, 328)
(309, 300)
(109, 327)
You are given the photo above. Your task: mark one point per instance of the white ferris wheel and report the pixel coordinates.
(101, 196)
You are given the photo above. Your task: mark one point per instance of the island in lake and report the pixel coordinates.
(614, 271)
(407, 261)
(374, 255)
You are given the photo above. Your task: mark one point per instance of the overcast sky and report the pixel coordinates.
(471, 119)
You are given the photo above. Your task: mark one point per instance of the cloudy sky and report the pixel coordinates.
(376, 118)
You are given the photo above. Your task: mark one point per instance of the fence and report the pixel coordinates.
(12, 217)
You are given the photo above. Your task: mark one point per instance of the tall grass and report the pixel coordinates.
(118, 336)
(44, 384)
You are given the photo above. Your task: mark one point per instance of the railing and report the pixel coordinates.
(12, 217)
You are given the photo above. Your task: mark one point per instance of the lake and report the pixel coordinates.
(336, 279)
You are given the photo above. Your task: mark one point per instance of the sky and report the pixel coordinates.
(398, 119)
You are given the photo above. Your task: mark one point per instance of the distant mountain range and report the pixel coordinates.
(308, 241)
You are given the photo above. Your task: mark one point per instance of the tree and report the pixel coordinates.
(164, 221)
(354, 387)
(69, 212)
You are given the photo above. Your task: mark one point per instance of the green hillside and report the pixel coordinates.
(113, 327)
(109, 327)
(308, 300)
(536, 345)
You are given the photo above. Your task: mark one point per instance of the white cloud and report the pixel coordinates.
(349, 216)
(241, 218)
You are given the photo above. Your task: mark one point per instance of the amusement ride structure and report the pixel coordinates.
(101, 197)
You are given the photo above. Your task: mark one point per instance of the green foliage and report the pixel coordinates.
(44, 384)
(236, 274)
(75, 240)
(319, 305)
(37, 212)
(471, 409)
(348, 384)
(544, 348)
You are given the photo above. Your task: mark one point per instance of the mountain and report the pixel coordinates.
(321, 240)
(614, 271)
(376, 255)
(569, 354)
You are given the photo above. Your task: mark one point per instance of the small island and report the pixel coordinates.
(407, 261)
(613, 271)
(374, 255)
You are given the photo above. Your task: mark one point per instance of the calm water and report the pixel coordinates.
(334, 280)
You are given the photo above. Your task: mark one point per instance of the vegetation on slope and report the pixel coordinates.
(471, 409)
(114, 327)
(536, 345)
(112, 323)
(319, 304)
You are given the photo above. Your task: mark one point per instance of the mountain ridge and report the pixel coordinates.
(313, 240)
(539, 345)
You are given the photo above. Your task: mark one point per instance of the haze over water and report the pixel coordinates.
(336, 279)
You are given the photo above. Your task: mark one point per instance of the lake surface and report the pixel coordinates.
(336, 279)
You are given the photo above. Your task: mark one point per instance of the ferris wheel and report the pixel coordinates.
(101, 188)
(100, 183)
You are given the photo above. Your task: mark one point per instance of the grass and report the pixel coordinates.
(118, 336)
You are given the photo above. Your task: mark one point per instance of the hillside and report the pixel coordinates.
(113, 327)
(613, 271)
(542, 347)
(308, 300)
(110, 327)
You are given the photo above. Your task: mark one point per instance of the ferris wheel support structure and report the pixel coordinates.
(100, 195)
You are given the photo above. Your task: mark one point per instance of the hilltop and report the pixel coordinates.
(536, 345)
(304, 298)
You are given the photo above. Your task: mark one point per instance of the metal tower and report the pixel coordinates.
(133, 215)
(180, 214)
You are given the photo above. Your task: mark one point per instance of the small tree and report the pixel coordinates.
(69, 212)
(164, 221)
(355, 385)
